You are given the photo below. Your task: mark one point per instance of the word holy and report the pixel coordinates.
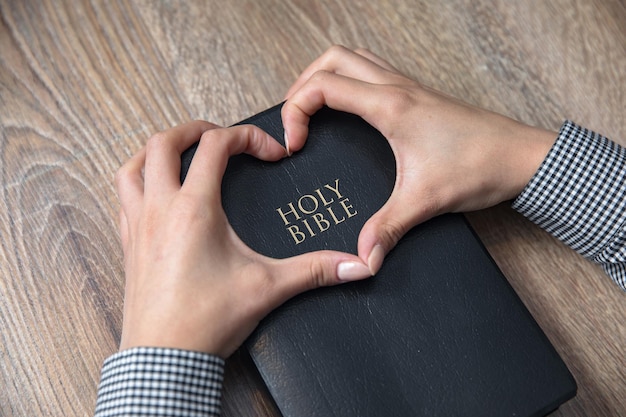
(316, 212)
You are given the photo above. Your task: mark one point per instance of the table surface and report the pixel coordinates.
(83, 84)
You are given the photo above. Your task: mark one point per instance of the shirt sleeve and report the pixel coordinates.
(147, 381)
(579, 195)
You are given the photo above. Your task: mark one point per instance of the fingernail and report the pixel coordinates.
(352, 271)
(375, 260)
(287, 144)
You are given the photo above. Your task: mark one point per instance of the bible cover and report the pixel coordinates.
(437, 332)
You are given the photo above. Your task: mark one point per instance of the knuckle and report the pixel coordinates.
(320, 76)
(336, 50)
(156, 142)
(251, 132)
(205, 125)
(391, 232)
(333, 57)
(400, 99)
(208, 135)
(254, 140)
(214, 138)
(317, 275)
(120, 176)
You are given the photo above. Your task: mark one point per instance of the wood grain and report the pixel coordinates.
(83, 84)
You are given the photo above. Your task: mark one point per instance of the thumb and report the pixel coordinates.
(315, 269)
(385, 228)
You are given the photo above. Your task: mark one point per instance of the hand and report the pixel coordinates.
(191, 283)
(450, 156)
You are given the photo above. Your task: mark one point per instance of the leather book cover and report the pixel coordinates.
(437, 332)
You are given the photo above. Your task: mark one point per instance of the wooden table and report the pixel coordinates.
(83, 84)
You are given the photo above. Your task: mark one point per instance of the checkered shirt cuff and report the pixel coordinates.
(148, 381)
(579, 195)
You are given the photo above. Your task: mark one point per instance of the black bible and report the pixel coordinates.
(437, 332)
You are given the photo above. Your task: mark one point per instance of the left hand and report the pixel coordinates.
(191, 283)
(450, 156)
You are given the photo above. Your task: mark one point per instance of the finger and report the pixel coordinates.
(211, 157)
(312, 270)
(385, 228)
(343, 61)
(162, 170)
(123, 228)
(130, 184)
(336, 91)
(366, 53)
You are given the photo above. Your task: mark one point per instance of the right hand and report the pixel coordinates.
(450, 156)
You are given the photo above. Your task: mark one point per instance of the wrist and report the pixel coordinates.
(530, 147)
(172, 336)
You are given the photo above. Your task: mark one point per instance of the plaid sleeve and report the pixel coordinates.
(579, 195)
(148, 381)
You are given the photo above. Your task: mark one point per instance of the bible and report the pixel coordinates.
(437, 332)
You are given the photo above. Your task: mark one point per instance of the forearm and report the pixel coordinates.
(579, 195)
